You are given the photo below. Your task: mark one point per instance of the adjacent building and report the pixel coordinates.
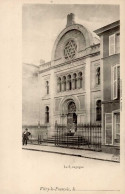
(110, 76)
(30, 95)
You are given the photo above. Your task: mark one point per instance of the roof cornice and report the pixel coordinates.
(107, 27)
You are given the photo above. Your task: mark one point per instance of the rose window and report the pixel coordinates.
(70, 49)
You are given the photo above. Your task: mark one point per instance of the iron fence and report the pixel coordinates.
(84, 137)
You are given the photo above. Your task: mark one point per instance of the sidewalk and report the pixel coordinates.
(73, 152)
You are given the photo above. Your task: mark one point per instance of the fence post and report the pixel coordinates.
(90, 135)
(100, 136)
(56, 134)
(67, 138)
(62, 135)
(38, 139)
(42, 136)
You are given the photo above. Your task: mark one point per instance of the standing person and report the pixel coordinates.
(26, 133)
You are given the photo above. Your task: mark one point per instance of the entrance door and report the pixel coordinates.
(69, 121)
(71, 117)
(74, 118)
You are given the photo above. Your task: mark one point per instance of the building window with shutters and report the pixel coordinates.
(47, 114)
(116, 82)
(108, 129)
(114, 44)
(116, 127)
(117, 42)
(112, 128)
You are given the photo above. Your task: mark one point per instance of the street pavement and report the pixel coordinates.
(45, 172)
(73, 152)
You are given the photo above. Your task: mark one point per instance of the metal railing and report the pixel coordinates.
(85, 136)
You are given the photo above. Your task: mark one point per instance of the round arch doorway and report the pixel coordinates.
(72, 117)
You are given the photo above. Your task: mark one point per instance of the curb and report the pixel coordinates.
(70, 154)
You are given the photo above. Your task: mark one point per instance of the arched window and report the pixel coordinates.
(59, 84)
(98, 76)
(47, 87)
(98, 110)
(74, 81)
(47, 114)
(80, 80)
(69, 84)
(64, 83)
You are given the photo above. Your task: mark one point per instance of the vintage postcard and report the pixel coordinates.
(65, 97)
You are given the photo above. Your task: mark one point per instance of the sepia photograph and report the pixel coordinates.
(62, 107)
(71, 79)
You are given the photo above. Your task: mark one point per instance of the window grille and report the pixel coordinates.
(70, 49)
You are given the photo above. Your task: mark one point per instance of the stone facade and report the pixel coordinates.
(72, 77)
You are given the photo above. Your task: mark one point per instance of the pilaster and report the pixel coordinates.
(87, 88)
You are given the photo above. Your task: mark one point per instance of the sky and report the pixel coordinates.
(41, 24)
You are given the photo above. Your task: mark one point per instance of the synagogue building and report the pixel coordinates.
(73, 88)
(71, 82)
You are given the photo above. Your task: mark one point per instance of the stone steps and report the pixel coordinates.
(66, 140)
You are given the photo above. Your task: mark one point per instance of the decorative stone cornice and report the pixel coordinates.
(69, 62)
